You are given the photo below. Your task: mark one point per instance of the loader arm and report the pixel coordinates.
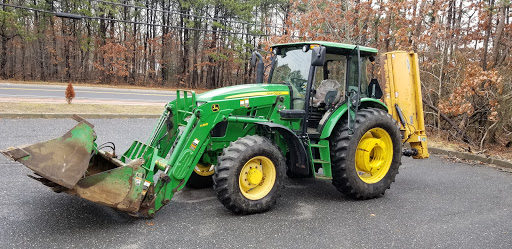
(187, 145)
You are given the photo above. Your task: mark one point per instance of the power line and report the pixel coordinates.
(27, 8)
(190, 15)
(74, 16)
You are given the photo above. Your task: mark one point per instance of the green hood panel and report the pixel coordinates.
(243, 91)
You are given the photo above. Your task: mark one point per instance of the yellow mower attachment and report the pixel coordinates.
(402, 94)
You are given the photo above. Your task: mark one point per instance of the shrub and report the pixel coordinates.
(70, 93)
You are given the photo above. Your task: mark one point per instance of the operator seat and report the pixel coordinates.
(326, 97)
(327, 93)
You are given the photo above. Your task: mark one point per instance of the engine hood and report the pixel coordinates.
(243, 91)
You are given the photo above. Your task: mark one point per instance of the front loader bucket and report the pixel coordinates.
(72, 164)
(63, 160)
(112, 183)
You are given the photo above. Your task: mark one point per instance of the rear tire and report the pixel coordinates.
(249, 175)
(365, 164)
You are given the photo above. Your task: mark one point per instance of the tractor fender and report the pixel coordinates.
(298, 161)
(340, 112)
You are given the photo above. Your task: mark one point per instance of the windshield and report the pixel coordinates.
(292, 67)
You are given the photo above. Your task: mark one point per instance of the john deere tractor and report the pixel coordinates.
(318, 115)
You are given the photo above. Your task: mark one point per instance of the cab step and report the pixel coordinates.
(322, 149)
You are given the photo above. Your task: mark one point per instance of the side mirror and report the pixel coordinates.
(254, 58)
(260, 67)
(318, 56)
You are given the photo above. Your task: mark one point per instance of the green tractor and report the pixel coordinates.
(319, 115)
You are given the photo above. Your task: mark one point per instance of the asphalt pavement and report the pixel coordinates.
(41, 91)
(434, 203)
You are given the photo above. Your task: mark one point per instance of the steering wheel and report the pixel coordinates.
(299, 83)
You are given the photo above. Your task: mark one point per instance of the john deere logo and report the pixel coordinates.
(215, 107)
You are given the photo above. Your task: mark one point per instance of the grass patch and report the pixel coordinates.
(9, 107)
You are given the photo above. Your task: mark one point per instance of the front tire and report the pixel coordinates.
(249, 175)
(365, 163)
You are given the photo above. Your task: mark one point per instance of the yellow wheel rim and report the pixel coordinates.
(204, 170)
(257, 178)
(374, 155)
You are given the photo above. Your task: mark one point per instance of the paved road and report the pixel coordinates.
(10, 90)
(433, 203)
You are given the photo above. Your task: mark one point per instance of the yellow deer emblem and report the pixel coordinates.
(215, 108)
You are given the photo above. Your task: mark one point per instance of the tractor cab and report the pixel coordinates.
(322, 76)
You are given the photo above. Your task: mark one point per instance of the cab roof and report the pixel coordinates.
(333, 47)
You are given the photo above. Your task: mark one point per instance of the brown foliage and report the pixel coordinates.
(478, 88)
(114, 65)
(70, 93)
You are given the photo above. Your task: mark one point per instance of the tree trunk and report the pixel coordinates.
(165, 33)
(211, 78)
(497, 37)
(3, 57)
(487, 35)
(194, 76)
(185, 44)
